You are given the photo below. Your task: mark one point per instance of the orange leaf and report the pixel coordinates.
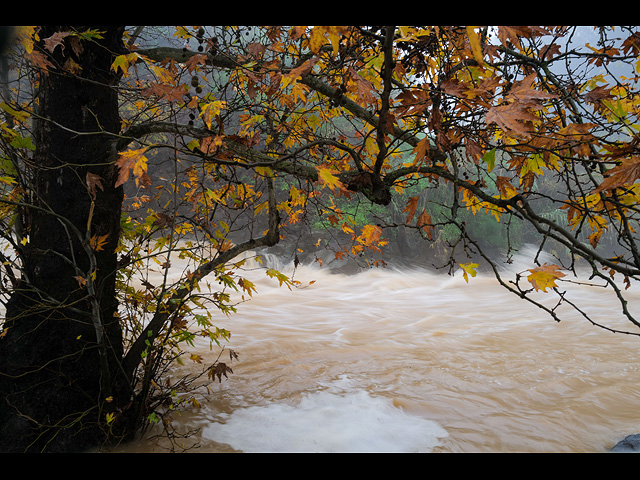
(424, 222)
(98, 243)
(370, 234)
(411, 207)
(421, 150)
(132, 159)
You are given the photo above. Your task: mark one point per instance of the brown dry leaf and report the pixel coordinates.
(624, 174)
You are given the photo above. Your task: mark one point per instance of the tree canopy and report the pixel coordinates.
(200, 145)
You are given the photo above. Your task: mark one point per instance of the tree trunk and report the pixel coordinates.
(62, 344)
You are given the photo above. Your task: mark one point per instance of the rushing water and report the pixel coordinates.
(414, 361)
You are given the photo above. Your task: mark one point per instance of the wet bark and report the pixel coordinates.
(62, 344)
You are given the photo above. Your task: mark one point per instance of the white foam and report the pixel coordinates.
(326, 422)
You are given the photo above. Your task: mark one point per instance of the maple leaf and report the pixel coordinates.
(364, 87)
(327, 177)
(512, 118)
(624, 174)
(303, 69)
(210, 111)
(544, 277)
(281, 277)
(370, 234)
(132, 160)
(218, 370)
(97, 243)
(468, 269)
(122, 63)
(319, 33)
(509, 33)
(170, 93)
(523, 92)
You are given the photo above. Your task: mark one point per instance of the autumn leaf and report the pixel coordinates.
(410, 209)
(474, 40)
(598, 94)
(624, 174)
(55, 40)
(319, 35)
(303, 69)
(210, 111)
(132, 160)
(122, 63)
(364, 87)
(524, 93)
(544, 277)
(281, 277)
(370, 234)
(421, 149)
(247, 286)
(171, 93)
(424, 222)
(468, 269)
(93, 183)
(512, 118)
(97, 243)
(327, 177)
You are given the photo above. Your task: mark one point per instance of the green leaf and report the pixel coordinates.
(490, 158)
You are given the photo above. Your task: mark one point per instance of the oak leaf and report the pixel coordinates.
(424, 222)
(410, 209)
(93, 183)
(468, 269)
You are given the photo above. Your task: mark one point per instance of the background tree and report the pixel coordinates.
(140, 167)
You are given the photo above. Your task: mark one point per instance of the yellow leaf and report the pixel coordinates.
(468, 269)
(474, 40)
(544, 277)
(327, 178)
(210, 111)
(122, 62)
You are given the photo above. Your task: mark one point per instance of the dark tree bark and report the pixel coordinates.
(60, 355)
